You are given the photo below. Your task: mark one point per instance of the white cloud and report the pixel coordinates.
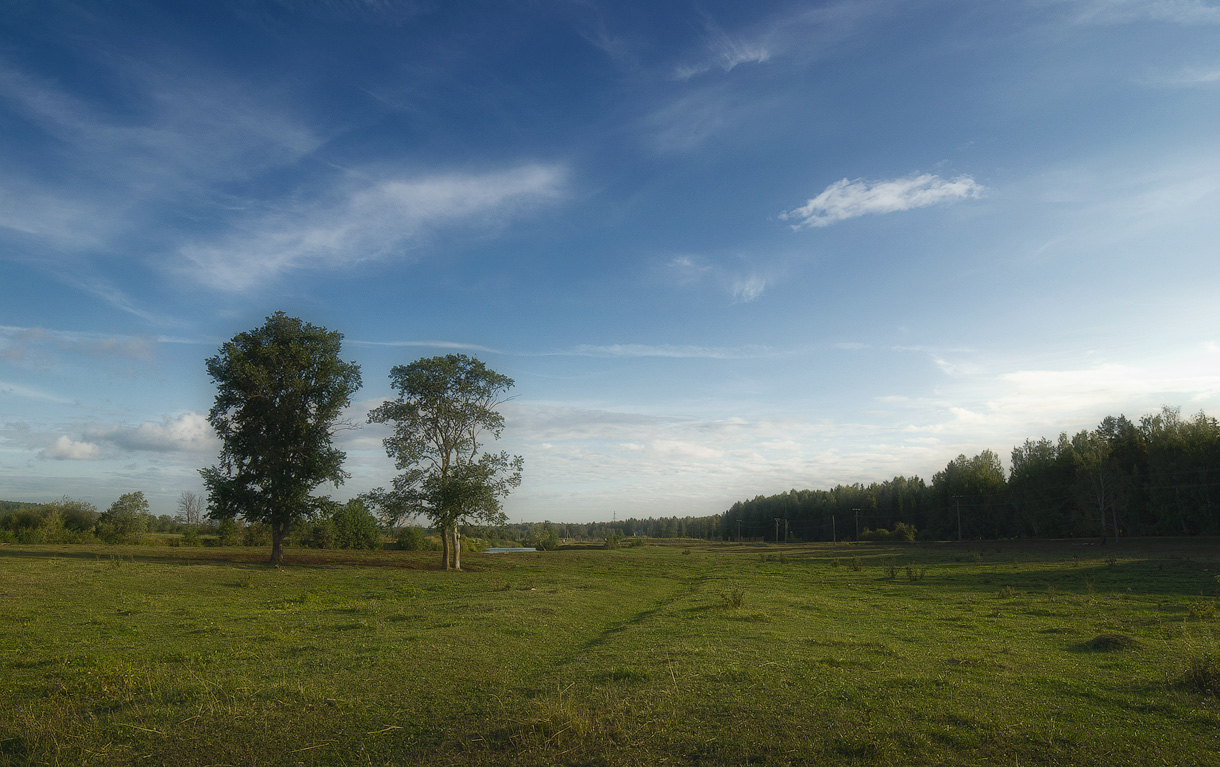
(675, 351)
(1191, 76)
(742, 287)
(1189, 12)
(195, 131)
(17, 390)
(748, 289)
(66, 449)
(188, 432)
(845, 199)
(726, 52)
(378, 220)
(426, 345)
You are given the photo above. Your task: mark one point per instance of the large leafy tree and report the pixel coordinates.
(280, 391)
(445, 406)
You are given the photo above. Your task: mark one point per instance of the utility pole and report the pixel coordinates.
(739, 529)
(834, 530)
(786, 530)
(857, 524)
(777, 529)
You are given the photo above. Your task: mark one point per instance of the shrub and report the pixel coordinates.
(613, 540)
(855, 564)
(901, 532)
(126, 519)
(230, 532)
(546, 539)
(355, 527)
(733, 599)
(1202, 608)
(257, 534)
(1201, 672)
(413, 538)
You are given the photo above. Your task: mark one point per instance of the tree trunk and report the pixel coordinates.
(277, 543)
(444, 547)
(457, 547)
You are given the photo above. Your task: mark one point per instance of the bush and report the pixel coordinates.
(546, 539)
(349, 526)
(1202, 672)
(126, 519)
(901, 532)
(230, 532)
(414, 538)
(257, 534)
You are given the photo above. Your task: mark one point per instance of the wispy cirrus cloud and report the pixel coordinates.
(725, 51)
(1127, 11)
(846, 199)
(667, 350)
(1189, 77)
(377, 220)
(742, 287)
(191, 133)
(427, 345)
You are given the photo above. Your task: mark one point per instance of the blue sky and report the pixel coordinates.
(724, 249)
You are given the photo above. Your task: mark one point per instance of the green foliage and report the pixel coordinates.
(231, 532)
(1200, 672)
(733, 598)
(126, 519)
(543, 537)
(1202, 608)
(443, 406)
(1157, 476)
(63, 521)
(413, 538)
(256, 534)
(280, 390)
(612, 541)
(901, 532)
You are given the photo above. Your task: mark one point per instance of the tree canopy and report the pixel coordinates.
(444, 407)
(280, 391)
(1157, 476)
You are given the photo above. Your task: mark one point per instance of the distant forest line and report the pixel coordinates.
(1157, 476)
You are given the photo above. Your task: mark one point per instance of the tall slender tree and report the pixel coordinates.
(444, 407)
(280, 391)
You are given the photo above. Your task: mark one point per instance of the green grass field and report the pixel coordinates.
(993, 653)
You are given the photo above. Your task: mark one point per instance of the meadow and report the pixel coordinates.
(1005, 653)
